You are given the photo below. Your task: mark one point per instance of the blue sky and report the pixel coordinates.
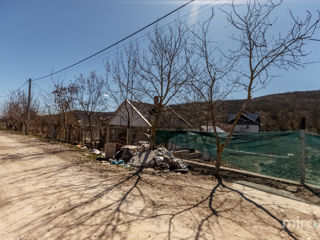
(38, 37)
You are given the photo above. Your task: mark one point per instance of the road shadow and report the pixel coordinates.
(254, 203)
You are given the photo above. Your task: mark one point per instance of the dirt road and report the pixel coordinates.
(49, 191)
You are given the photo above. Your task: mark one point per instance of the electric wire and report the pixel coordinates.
(101, 56)
(115, 43)
(112, 45)
(12, 92)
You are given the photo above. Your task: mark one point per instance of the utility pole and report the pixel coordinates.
(28, 108)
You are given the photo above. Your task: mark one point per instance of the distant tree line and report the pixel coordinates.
(67, 113)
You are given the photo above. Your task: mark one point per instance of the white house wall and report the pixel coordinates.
(247, 128)
(121, 116)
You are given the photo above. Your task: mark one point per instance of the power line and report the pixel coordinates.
(7, 95)
(41, 89)
(97, 58)
(112, 45)
(116, 43)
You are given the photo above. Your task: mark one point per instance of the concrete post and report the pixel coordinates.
(28, 109)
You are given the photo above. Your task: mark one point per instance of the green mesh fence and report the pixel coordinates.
(275, 154)
(312, 160)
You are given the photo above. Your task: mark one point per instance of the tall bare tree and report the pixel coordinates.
(163, 69)
(15, 110)
(63, 102)
(121, 78)
(89, 98)
(259, 50)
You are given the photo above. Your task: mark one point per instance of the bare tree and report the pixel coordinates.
(163, 69)
(89, 98)
(15, 110)
(63, 106)
(259, 50)
(121, 78)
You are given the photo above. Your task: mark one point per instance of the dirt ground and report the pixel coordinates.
(51, 191)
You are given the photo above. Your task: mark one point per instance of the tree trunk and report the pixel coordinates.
(42, 128)
(92, 138)
(218, 161)
(91, 132)
(153, 131)
(65, 133)
(54, 132)
(128, 136)
(69, 134)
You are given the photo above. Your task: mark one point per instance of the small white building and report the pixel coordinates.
(132, 120)
(248, 123)
(205, 128)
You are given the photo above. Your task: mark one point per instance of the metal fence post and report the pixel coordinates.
(302, 151)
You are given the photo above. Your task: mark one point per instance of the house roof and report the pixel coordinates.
(96, 116)
(251, 117)
(79, 115)
(168, 119)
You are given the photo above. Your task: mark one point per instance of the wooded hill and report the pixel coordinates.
(278, 112)
(281, 112)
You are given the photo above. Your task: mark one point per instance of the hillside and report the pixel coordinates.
(278, 112)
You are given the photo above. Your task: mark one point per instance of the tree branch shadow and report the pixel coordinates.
(108, 208)
(281, 222)
(115, 210)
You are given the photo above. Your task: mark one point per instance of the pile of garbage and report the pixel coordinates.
(165, 160)
(142, 156)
